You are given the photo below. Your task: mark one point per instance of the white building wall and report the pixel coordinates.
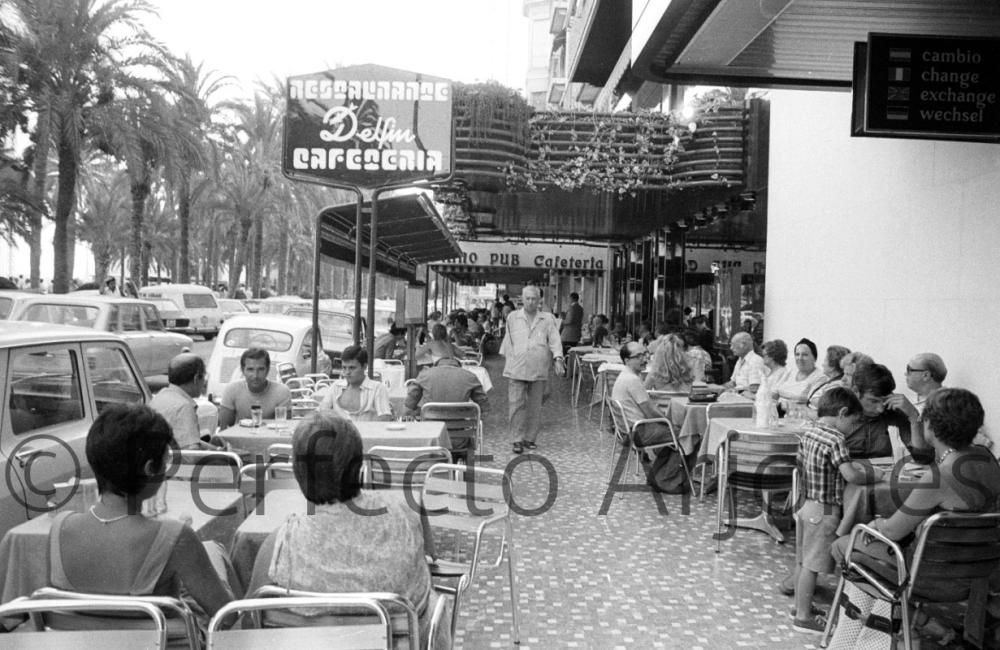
(884, 245)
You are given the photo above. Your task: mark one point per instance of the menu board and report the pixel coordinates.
(935, 87)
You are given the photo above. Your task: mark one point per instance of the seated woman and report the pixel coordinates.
(343, 546)
(355, 395)
(800, 384)
(699, 358)
(851, 364)
(669, 370)
(832, 370)
(113, 548)
(619, 335)
(437, 348)
(775, 356)
(967, 477)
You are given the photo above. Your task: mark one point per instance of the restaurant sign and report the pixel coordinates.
(533, 255)
(934, 87)
(367, 126)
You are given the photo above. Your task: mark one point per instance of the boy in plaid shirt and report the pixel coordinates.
(825, 465)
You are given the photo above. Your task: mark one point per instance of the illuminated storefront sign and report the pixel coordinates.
(367, 126)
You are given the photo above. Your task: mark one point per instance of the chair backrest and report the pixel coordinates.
(260, 478)
(317, 623)
(464, 421)
(392, 362)
(302, 391)
(952, 547)
(142, 633)
(765, 456)
(618, 420)
(302, 407)
(278, 452)
(179, 621)
(401, 467)
(205, 467)
(317, 376)
(729, 410)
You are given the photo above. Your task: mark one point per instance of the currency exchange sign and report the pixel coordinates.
(367, 126)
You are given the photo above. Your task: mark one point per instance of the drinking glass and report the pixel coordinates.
(281, 415)
(256, 415)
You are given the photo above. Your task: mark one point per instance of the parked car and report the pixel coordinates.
(288, 339)
(336, 326)
(196, 301)
(10, 299)
(232, 307)
(174, 319)
(280, 304)
(54, 381)
(136, 321)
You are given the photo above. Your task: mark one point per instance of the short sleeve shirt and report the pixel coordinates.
(238, 398)
(181, 413)
(748, 371)
(821, 452)
(628, 390)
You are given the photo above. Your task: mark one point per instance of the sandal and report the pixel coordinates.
(527, 444)
(518, 447)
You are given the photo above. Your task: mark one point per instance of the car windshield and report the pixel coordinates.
(250, 337)
(164, 305)
(79, 315)
(5, 305)
(331, 325)
(199, 301)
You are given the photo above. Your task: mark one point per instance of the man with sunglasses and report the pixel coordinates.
(629, 390)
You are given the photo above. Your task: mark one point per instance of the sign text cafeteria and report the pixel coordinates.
(538, 261)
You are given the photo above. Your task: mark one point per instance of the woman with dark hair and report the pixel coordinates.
(832, 371)
(356, 540)
(800, 384)
(669, 369)
(965, 477)
(112, 548)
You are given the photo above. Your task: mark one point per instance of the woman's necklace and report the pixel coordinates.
(109, 520)
(944, 455)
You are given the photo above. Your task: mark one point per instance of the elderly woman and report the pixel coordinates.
(775, 356)
(832, 371)
(356, 540)
(355, 396)
(669, 370)
(967, 476)
(800, 384)
(850, 364)
(112, 548)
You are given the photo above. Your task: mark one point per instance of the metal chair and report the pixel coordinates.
(317, 376)
(303, 406)
(758, 462)
(153, 636)
(464, 421)
(180, 624)
(469, 502)
(299, 382)
(303, 392)
(274, 623)
(278, 452)
(205, 467)
(260, 478)
(286, 371)
(625, 435)
(950, 561)
(606, 378)
(401, 467)
(720, 410)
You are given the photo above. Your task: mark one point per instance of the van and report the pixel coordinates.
(196, 302)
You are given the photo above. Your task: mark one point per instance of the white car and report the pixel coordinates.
(54, 381)
(287, 339)
(232, 307)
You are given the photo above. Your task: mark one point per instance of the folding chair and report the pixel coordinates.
(106, 637)
(179, 621)
(317, 376)
(606, 376)
(303, 406)
(296, 383)
(757, 462)
(720, 410)
(468, 502)
(303, 392)
(278, 452)
(301, 631)
(401, 467)
(464, 421)
(286, 371)
(625, 435)
(950, 561)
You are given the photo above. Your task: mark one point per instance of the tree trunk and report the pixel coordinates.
(254, 274)
(283, 259)
(69, 165)
(240, 252)
(211, 270)
(43, 134)
(184, 215)
(139, 191)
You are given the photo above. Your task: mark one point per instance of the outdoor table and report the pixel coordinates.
(863, 502)
(690, 419)
(24, 550)
(428, 433)
(593, 360)
(721, 426)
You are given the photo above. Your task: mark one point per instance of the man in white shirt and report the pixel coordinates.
(188, 379)
(749, 370)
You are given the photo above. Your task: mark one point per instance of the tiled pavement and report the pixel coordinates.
(629, 577)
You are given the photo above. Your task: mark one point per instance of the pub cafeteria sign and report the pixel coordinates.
(367, 126)
(936, 87)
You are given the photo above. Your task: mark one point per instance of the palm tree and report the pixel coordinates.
(78, 54)
(195, 87)
(104, 212)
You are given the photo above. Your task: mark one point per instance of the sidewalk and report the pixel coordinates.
(630, 578)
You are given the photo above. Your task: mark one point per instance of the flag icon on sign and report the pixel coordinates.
(897, 112)
(899, 74)
(898, 93)
(899, 54)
